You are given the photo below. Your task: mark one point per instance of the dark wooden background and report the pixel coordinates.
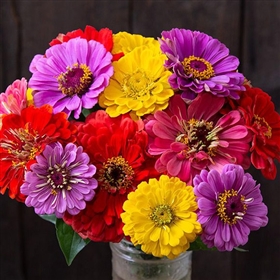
(251, 29)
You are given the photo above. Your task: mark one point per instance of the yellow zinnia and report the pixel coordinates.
(29, 96)
(125, 42)
(160, 216)
(139, 85)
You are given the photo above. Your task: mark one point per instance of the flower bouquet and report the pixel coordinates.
(125, 137)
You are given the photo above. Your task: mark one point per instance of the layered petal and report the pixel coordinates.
(169, 223)
(200, 63)
(117, 147)
(71, 75)
(230, 211)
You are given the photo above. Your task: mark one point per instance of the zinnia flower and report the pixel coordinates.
(160, 216)
(200, 63)
(61, 180)
(103, 36)
(117, 147)
(190, 138)
(125, 42)
(14, 99)
(139, 85)
(25, 136)
(71, 75)
(262, 119)
(230, 206)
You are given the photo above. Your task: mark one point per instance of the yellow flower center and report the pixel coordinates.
(198, 135)
(76, 80)
(137, 85)
(116, 175)
(263, 128)
(162, 215)
(231, 206)
(22, 146)
(198, 68)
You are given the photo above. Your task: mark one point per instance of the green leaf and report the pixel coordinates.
(86, 112)
(69, 241)
(199, 245)
(49, 218)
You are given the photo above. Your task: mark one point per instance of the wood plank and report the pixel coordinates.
(262, 260)
(261, 64)
(41, 22)
(63, 16)
(261, 54)
(11, 242)
(9, 47)
(221, 20)
(258, 49)
(45, 261)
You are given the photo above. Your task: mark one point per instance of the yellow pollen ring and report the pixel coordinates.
(221, 207)
(24, 146)
(137, 84)
(162, 215)
(79, 88)
(205, 74)
(33, 153)
(198, 135)
(53, 192)
(116, 174)
(21, 164)
(261, 122)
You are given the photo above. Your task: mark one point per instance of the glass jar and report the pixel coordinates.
(130, 263)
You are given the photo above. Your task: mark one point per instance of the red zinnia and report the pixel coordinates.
(117, 147)
(23, 137)
(262, 119)
(103, 36)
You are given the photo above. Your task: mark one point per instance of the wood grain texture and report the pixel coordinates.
(28, 245)
(261, 64)
(218, 18)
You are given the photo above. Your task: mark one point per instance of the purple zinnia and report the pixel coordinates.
(71, 75)
(200, 63)
(61, 180)
(230, 206)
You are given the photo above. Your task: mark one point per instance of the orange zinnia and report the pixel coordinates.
(23, 137)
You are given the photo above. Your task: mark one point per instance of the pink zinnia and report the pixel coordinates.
(14, 99)
(190, 138)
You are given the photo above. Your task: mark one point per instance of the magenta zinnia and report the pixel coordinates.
(71, 75)
(61, 180)
(200, 63)
(230, 206)
(190, 138)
